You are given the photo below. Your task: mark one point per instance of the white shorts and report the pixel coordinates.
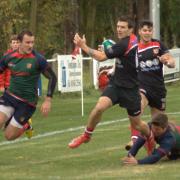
(9, 111)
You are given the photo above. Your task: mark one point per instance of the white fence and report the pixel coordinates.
(170, 74)
(173, 74)
(70, 72)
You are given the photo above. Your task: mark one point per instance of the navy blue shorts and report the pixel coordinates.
(155, 96)
(22, 110)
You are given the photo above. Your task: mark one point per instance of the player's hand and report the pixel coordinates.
(130, 160)
(165, 59)
(46, 106)
(100, 48)
(79, 41)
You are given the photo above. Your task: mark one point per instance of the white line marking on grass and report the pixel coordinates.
(71, 130)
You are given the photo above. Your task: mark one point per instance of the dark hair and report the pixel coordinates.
(24, 32)
(145, 22)
(128, 20)
(160, 120)
(14, 37)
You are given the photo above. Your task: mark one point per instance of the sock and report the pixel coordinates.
(134, 132)
(88, 132)
(25, 126)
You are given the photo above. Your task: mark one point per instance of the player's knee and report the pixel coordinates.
(98, 109)
(9, 136)
(136, 124)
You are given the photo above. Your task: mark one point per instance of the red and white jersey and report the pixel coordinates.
(150, 69)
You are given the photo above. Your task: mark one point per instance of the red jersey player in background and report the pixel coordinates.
(5, 76)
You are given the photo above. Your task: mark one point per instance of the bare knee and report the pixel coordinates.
(9, 136)
(98, 110)
(140, 125)
(103, 104)
(136, 125)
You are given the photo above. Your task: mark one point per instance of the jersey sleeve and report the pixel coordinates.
(165, 147)
(3, 63)
(151, 159)
(137, 145)
(163, 49)
(117, 50)
(42, 62)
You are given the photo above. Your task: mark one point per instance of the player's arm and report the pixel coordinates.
(137, 145)
(3, 64)
(130, 159)
(116, 50)
(165, 57)
(151, 159)
(164, 149)
(96, 54)
(50, 75)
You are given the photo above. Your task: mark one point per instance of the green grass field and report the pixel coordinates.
(47, 157)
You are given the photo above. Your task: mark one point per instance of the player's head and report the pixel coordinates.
(145, 31)
(26, 39)
(159, 124)
(14, 42)
(124, 27)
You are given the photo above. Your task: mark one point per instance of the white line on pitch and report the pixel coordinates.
(70, 130)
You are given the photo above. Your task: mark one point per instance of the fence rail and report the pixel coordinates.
(170, 74)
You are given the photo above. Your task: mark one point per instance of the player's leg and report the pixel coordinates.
(94, 118)
(104, 102)
(3, 117)
(29, 131)
(6, 112)
(13, 130)
(157, 103)
(139, 125)
(143, 104)
(134, 132)
(155, 111)
(19, 121)
(143, 128)
(136, 121)
(148, 145)
(134, 136)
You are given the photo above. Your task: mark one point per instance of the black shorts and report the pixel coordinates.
(22, 110)
(128, 98)
(155, 96)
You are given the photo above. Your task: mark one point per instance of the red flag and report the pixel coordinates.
(75, 52)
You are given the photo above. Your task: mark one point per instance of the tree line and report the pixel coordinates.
(54, 22)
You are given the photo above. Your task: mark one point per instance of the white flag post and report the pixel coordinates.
(82, 90)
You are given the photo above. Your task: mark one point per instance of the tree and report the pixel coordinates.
(55, 22)
(33, 15)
